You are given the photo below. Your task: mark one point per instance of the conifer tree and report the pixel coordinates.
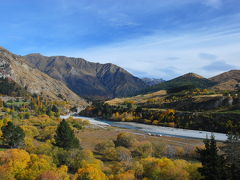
(213, 164)
(13, 136)
(65, 137)
(232, 154)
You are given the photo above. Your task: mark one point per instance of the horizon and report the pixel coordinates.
(138, 76)
(148, 39)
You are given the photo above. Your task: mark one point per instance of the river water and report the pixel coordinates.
(154, 130)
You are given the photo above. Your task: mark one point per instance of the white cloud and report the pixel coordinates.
(150, 55)
(166, 54)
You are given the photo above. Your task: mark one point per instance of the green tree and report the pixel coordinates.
(13, 136)
(125, 140)
(232, 154)
(65, 137)
(213, 164)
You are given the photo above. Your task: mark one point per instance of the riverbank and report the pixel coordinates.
(155, 130)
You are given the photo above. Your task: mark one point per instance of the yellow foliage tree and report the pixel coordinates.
(129, 175)
(167, 169)
(14, 161)
(90, 172)
(36, 166)
(19, 164)
(59, 174)
(31, 131)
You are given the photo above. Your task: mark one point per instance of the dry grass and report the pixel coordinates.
(90, 137)
(137, 99)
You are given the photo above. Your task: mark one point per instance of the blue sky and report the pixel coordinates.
(153, 38)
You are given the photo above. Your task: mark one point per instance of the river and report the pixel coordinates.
(154, 130)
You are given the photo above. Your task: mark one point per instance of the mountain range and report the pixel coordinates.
(88, 79)
(225, 81)
(68, 78)
(152, 81)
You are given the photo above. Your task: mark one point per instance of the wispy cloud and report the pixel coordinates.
(219, 66)
(207, 56)
(155, 38)
(190, 52)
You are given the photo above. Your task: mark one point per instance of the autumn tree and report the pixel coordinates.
(90, 173)
(13, 136)
(165, 169)
(213, 163)
(65, 137)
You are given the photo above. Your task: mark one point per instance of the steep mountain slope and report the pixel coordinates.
(191, 79)
(15, 68)
(92, 80)
(227, 80)
(152, 81)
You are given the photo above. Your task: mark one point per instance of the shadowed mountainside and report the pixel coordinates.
(88, 79)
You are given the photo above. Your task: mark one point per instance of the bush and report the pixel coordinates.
(125, 140)
(159, 150)
(123, 154)
(103, 147)
(144, 149)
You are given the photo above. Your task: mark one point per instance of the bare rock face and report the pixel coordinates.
(88, 79)
(17, 69)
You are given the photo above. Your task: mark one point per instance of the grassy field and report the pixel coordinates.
(138, 99)
(17, 104)
(91, 136)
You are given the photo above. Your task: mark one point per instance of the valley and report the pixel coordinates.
(115, 133)
(120, 90)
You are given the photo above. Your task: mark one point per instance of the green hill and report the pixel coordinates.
(189, 80)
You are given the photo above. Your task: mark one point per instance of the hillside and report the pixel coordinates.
(202, 109)
(87, 79)
(189, 79)
(16, 69)
(227, 80)
(10, 88)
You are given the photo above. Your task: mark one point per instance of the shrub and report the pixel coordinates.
(144, 149)
(125, 140)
